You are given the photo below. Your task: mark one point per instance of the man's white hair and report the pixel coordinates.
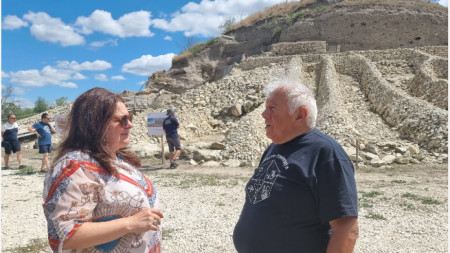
(298, 95)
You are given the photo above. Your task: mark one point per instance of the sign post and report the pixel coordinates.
(162, 150)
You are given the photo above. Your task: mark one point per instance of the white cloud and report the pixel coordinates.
(12, 22)
(22, 102)
(443, 3)
(101, 77)
(147, 64)
(68, 85)
(18, 90)
(118, 78)
(53, 75)
(97, 65)
(97, 44)
(27, 78)
(59, 75)
(78, 76)
(131, 24)
(5, 75)
(205, 17)
(46, 28)
(168, 37)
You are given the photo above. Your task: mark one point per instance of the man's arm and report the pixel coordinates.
(345, 231)
(32, 130)
(52, 128)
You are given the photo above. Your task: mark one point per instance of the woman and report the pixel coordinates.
(95, 198)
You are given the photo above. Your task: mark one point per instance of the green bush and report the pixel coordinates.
(320, 7)
(276, 30)
(294, 16)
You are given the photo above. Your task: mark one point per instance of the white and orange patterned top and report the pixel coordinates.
(78, 190)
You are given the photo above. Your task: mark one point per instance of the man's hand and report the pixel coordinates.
(52, 128)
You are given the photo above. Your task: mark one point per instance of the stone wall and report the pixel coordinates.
(302, 47)
(416, 119)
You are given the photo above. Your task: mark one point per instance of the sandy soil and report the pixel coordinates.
(401, 208)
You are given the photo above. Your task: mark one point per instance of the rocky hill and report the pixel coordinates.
(391, 105)
(343, 25)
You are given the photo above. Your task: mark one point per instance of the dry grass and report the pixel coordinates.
(196, 49)
(283, 10)
(278, 10)
(181, 56)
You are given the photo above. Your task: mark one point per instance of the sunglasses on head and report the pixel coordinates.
(124, 119)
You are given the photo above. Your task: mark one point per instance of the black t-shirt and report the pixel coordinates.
(297, 189)
(171, 124)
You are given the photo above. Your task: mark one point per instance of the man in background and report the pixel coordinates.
(170, 127)
(44, 130)
(11, 142)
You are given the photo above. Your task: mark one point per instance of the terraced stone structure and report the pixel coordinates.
(390, 104)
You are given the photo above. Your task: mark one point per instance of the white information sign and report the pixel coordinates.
(155, 123)
(60, 123)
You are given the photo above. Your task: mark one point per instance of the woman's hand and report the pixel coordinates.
(143, 220)
(95, 233)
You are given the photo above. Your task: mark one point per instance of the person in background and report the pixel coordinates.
(44, 130)
(302, 197)
(95, 197)
(170, 127)
(10, 141)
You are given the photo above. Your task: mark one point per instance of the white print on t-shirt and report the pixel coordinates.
(262, 182)
(260, 185)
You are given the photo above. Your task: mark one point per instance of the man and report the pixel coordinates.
(302, 197)
(44, 131)
(170, 126)
(11, 142)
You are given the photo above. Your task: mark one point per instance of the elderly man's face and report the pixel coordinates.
(280, 126)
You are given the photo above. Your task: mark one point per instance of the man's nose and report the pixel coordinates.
(265, 114)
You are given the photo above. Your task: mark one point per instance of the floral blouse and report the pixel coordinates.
(78, 190)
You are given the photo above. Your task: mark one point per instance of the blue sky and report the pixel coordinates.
(60, 48)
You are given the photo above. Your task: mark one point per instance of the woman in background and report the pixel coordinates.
(95, 197)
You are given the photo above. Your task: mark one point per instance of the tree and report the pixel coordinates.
(61, 101)
(9, 108)
(7, 91)
(229, 22)
(41, 105)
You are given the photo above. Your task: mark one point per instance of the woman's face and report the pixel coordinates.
(118, 136)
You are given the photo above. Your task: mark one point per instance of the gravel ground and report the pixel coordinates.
(402, 209)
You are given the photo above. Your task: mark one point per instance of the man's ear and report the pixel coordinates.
(301, 113)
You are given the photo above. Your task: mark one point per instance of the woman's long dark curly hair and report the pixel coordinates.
(88, 122)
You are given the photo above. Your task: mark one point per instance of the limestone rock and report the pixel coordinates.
(388, 159)
(217, 146)
(236, 110)
(211, 164)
